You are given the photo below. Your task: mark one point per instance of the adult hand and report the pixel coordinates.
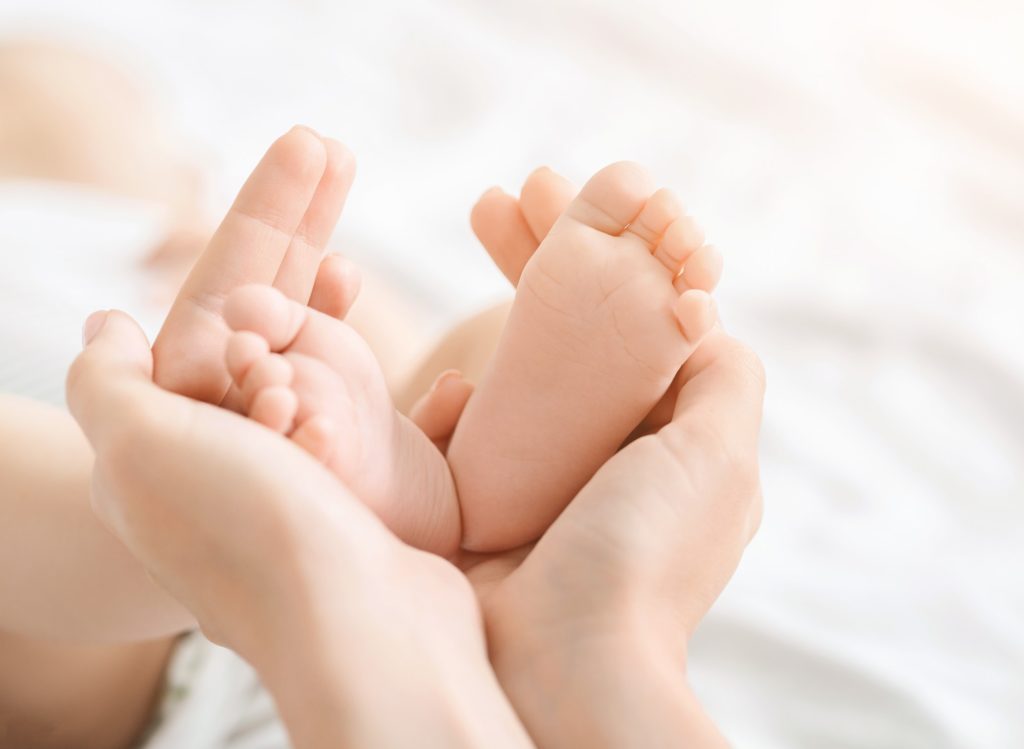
(650, 542)
(274, 233)
(588, 629)
(347, 626)
(603, 605)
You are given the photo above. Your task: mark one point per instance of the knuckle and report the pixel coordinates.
(732, 465)
(78, 373)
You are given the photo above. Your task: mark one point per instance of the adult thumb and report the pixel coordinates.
(116, 356)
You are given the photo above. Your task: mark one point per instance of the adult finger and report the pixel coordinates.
(115, 362)
(510, 229)
(336, 287)
(248, 247)
(717, 418)
(192, 489)
(252, 241)
(714, 490)
(544, 197)
(500, 226)
(722, 371)
(298, 269)
(438, 412)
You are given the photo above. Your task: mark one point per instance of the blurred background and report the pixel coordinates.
(861, 166)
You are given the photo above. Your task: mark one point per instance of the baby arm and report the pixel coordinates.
(65, 576)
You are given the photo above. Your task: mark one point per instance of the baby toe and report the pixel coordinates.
(336, 287)
(681, 239)
(612, 198)
(544, 198)
(658, 213)
(702, 270)
(498, 223)
(275, 407)
(244, 349)
(270, 371)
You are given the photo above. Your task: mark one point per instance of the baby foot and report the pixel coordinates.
(608, 308)
(311, 377)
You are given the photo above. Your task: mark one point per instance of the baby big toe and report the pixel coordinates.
(612, 198)
(543, 198)
(266, 311)
(272, 370)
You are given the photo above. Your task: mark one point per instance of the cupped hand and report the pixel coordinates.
(654, 536)
(278, 561)
(212, 523)
(588, 628)
(666, 520)
(274, 233)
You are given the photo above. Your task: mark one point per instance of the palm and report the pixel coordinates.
(589, 555)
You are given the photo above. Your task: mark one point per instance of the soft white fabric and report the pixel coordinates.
(862, 167)
(66, 251)
(213, 699)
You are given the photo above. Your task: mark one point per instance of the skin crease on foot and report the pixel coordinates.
(607, 310)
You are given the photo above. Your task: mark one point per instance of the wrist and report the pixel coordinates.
(576, 651)
(523, 629)
(368, 662)
(607, 690)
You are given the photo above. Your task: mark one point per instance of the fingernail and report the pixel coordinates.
(93, 325)
(310, 129)
(490, 191)
(448, 376)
